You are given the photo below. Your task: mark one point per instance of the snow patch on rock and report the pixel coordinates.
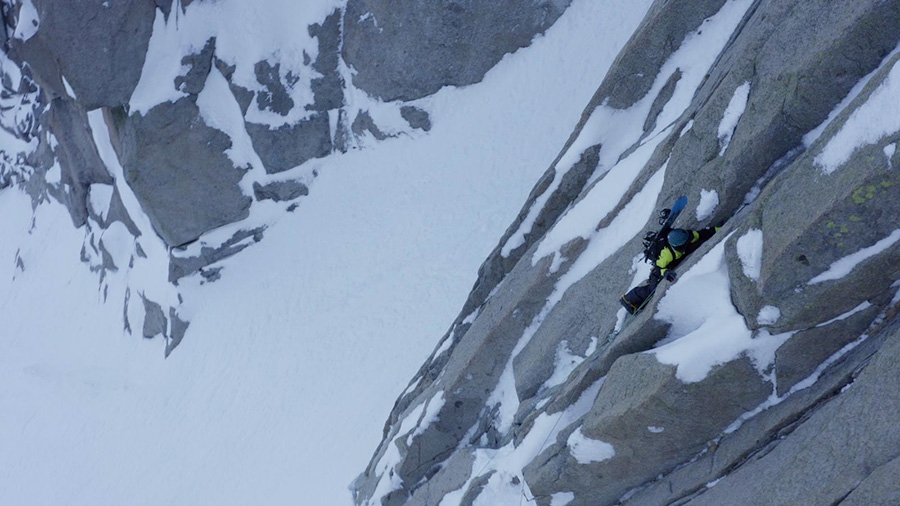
(711, 332)
(732, 115)
(709, 200)
(866, 125)
(587, 450)
(749, 249)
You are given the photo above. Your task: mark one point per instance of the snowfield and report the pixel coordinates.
(293, 359)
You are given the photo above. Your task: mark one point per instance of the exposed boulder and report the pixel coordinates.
(191, 186)
(280, 190)
(328, 90)
(363, 123)
(155, 322)
(288, 146)
(275, 96)
(408, 50)
(417, 118)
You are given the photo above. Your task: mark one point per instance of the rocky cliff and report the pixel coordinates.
(765, 374)
(760, 376)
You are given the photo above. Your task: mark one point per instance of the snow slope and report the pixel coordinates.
(293, 359)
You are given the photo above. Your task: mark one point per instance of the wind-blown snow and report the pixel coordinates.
(586, 450)
(561, 498)
(866, 125)
(844, 266)
(768, 315)
(706, 330)
(28, 22)
(732, 115)
(709, 200)
(749, 249)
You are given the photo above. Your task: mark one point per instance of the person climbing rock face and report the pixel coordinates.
(679, 242)
(665, 252)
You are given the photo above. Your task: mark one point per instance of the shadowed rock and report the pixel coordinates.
(190, 187)
(99, 46)
(410, 49)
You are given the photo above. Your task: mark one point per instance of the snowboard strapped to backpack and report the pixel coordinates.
(654, 242)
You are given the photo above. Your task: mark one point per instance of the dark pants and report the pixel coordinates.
(634, 300)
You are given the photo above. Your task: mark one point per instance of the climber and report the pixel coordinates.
(664, 254)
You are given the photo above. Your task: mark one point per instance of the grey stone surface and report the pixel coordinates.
(328, 90)
(280, 190)
(417, 118)
(200, 64)
(449, 478)
(155, 322)
(797, 75)
(811, 219)
(639, 392)
(275, 97)
(801, 59)
(118, 212)
(179, 327)
(497, 266)
(799, 357)
(363, 123)
(98, 46)
(880, 487)
(191, 186)
(410, 49)
(659, 35)
(825, 459)
(756, 436)
(288, 146)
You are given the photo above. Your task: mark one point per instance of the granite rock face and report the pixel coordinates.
(539, 364)
(181, 204)
(408, 50)
(822, 296)
(98, 47)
